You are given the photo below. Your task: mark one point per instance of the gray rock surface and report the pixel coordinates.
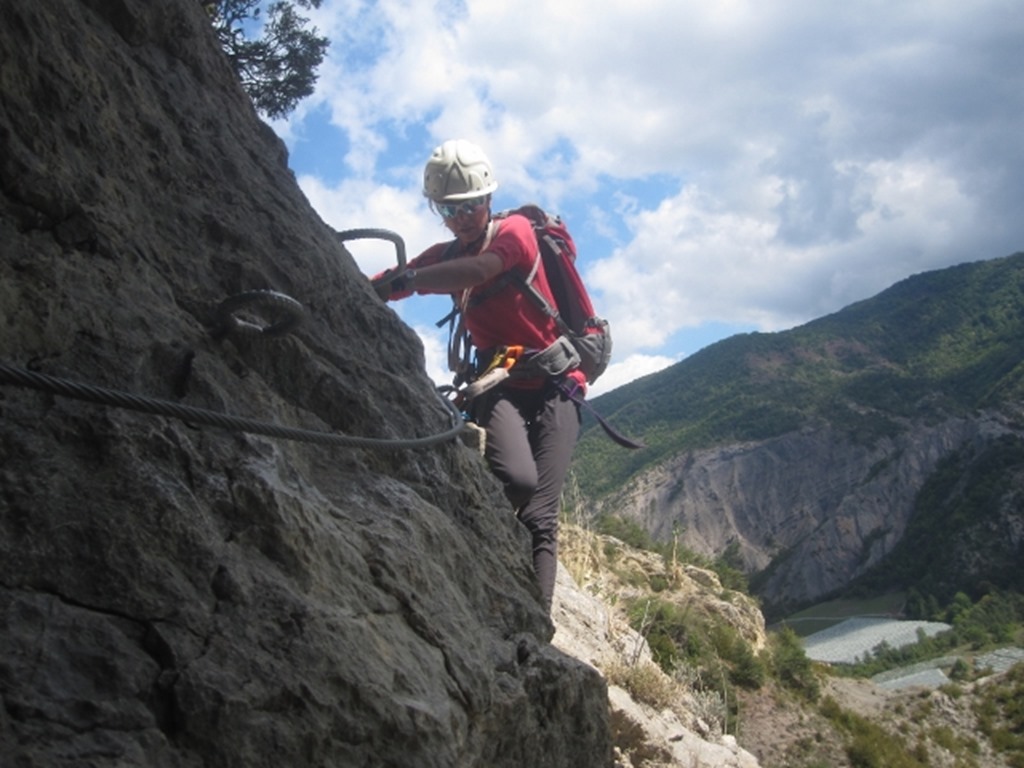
(174, 595)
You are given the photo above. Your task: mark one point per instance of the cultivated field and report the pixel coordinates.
(854, 639)
(824, 615)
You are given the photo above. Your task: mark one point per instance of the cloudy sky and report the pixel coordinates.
(724, 165)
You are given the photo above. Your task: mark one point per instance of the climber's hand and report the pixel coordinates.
(382, 284)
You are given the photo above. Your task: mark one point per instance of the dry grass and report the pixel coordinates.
(579, 546)
(596, 566)
(646, 683)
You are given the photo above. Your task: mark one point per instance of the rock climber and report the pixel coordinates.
(531, 426)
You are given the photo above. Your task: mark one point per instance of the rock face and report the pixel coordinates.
(811, 509)
(173, 595)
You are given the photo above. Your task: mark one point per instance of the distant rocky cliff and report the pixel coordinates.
(178, 595)
(813, 507)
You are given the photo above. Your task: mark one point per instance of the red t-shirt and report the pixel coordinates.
(507, 317)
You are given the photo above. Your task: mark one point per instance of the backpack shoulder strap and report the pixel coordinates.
(540, 221)
(526, 286)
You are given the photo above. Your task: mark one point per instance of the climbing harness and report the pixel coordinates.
(499, 369)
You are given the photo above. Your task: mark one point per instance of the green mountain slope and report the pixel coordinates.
(936, 344)
(965, 533)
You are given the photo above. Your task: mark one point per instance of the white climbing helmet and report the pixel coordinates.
(458, 170)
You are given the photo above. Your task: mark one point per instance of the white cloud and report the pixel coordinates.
(361, 204)
(696, 259)
(736, 162)
(633, 367)
(435, 348)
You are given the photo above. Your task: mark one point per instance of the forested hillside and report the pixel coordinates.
(936, 344)
(880, 446)
(965, 534)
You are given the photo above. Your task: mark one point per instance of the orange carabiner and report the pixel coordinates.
(512, 355)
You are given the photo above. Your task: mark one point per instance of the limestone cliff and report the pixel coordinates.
(175, 595)
(811, 509)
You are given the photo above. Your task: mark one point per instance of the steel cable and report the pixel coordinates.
(10, 374)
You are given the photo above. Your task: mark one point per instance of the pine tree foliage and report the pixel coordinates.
(278, 68)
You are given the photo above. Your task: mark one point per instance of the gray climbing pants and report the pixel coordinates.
(531, 435)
